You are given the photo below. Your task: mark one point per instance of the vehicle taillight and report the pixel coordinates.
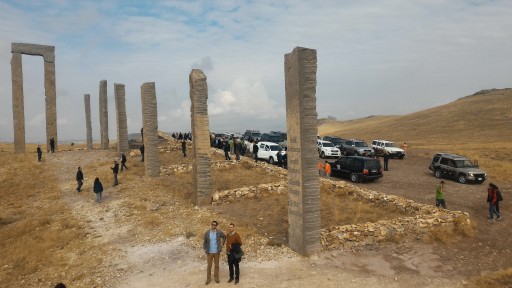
(365, 171)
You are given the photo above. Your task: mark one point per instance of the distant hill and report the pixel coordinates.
(483, 117)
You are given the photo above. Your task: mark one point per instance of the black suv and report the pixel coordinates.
(271, 137)
(337, 141)
(357, 168)
(456, 167)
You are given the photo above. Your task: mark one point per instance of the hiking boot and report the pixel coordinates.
(498, 219)
(207, 282)
(236, 281)
(491, 220)
(230, 280)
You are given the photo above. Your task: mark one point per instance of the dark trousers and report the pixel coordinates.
(255, 155)
(80, 183)
(234, 267)
(385, 164)
(184, 152)
(226, 154)
(39, 155)
(123, 164)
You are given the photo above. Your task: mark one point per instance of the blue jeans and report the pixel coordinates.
(98, 197)
(492, 211)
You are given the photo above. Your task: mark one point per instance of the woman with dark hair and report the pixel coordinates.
(492, 199)
(98, 188)
(499, 198)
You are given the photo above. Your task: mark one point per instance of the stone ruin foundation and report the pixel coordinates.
(18, 106)
(201, 164)
(301, 124)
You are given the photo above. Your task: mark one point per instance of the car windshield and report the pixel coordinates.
(328, 144)
(337, 141)
(390, 144)
(360, 144)
(274, 147)
(463, 163)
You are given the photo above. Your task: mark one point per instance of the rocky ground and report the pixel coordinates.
(138, 258)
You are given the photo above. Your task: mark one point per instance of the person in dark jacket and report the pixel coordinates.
(386, 160)
(233, 243)
(39, 153)
(255, 151)
(98, 189)
(115, 170)
(52, 145)
(123, 162)
(492, 199)
(184, 148)
(212, 245)
(499, 197)
(79, 179)
(141, 149)
(227, 147)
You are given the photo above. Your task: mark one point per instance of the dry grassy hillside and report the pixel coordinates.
(478, 126)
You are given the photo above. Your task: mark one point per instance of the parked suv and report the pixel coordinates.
(337, 141)
(271, 137)
(457, 167)
(268, 151)
(357, 168)
(379, 146)
(357, 148)
(327, 149)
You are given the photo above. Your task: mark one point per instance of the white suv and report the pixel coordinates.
(268, 151)
(327, 149)
(382, 145)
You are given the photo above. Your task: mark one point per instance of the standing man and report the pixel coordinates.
(212, 245)
(233, 244)
(52, 145)
(237, 148)
(492, 199)
(79, 179)
(386, 159)
(226, 150)
(255, 151)
(123, 162)
(184, 148)
(404, 147)
(115, 170)
(39, 153)
(440, 195)
(327, 169)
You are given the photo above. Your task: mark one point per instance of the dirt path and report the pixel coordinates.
(179, 262)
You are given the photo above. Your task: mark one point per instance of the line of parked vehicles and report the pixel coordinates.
(356, 160)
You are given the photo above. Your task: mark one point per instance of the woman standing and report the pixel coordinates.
(492, 199)
(98, 188)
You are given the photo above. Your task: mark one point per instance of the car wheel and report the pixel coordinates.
(462, 179)
(438, 174)
(271, 160)
(354, 177)
(322, 155)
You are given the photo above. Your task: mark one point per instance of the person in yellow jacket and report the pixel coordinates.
(327, 169)
(321, 168)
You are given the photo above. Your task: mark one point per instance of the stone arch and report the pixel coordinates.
(18, 106)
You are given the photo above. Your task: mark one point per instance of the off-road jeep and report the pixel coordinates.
(380, 146)
(456, 167)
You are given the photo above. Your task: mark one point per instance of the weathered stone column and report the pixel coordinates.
(88, 125)
(122, 125)
(51, 104)
(201, 135)
(103, 114)
(301, 123)
(18, 104)
(150, 124)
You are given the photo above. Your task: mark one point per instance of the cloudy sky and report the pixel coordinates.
(374, 57)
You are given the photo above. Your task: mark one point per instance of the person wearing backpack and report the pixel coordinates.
(499, 198)
(492, 199)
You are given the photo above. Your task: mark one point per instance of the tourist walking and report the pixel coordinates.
(327, 169)
(52, 145)
(79, 179)
(141, 149)
(492, 199)
(440, 195)
(237, 148)
(386, 159)
(184, 148)
(115, 170)
(123, 162)
(39, 153)
(233, 248)
(98, 189)
(226, 150)
(255, 151)
(212, 245)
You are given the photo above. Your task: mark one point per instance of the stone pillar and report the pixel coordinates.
(18, 105)
(88, 126)
(150, 124)
(122, 125)
(103, 114)
(301, 124)
(201, 134)
(51, 104)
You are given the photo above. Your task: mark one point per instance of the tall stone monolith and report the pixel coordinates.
(301, 123)
(150, 124)
(48, 54)
(122, 124)
(88, 125)
(201, 164)
(103, 114)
